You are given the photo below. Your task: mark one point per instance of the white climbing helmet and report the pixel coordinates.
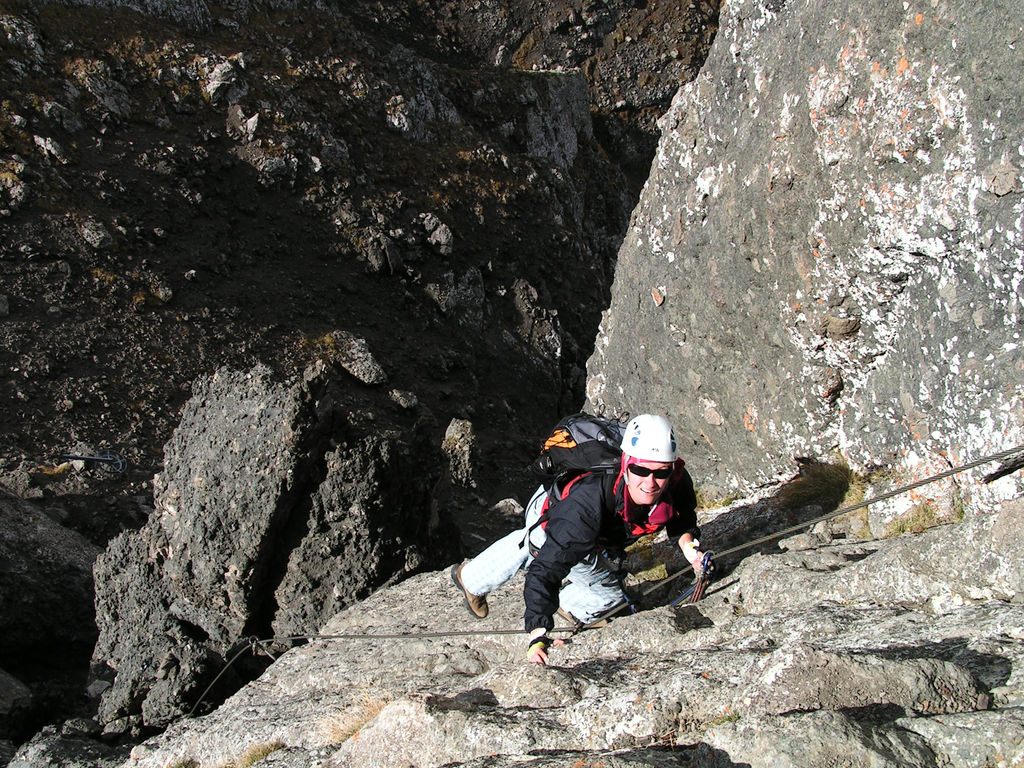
(649, 438)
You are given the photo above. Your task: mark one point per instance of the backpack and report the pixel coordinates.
(580, 443)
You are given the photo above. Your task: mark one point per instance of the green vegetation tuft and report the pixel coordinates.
(708, 500)
(728, 717)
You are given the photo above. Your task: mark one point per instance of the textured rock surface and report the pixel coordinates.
(47, 628)
(71, 745)
(633, 55)
(45, 582)
(792, 658)
(855, 169)
(828, 253)
(15, 703)
(272, 513)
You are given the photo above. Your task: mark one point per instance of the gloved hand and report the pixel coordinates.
(693, 555)
(538, 648)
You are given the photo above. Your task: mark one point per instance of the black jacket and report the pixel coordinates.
(578, 525)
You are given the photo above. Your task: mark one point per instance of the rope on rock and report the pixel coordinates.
(254, 645)
(831, 515)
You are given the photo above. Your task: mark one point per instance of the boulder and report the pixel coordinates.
(47, 626)
(271, 514)
(15, 704)
(70, 745)
(45, 582)
(460, 444)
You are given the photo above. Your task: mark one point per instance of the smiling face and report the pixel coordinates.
(647, 488)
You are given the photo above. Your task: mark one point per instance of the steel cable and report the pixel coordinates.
(253, 643)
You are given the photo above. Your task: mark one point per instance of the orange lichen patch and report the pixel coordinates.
(918, 19)
(750, 418)
(902, 66)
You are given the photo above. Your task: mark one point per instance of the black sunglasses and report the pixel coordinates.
(660, 473)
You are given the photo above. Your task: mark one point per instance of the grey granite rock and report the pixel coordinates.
(826, 254)
(408, 677)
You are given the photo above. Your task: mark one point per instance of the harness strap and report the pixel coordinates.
(555, 495)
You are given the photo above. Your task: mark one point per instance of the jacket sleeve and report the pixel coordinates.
(684, 499)
(572, 533)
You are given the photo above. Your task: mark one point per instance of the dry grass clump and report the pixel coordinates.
(255, 753)
(325, 345)
(917, 519)
(345, 723)
(709, 500)
(250, 756)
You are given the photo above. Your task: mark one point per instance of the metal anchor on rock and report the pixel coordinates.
(113, 461)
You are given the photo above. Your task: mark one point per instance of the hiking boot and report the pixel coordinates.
(476, 604)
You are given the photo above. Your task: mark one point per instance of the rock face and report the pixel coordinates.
(827, 255)
(46, 582)
(253, 182)
(876, 650)
(46, 619)
(300, 189)
(273, 512)
(280, 190)
(633, 55)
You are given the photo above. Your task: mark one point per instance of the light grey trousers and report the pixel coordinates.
(590, 590)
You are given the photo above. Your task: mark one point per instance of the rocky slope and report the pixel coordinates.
(202, 185)
(827, 256)
(868, 652)
(178, 200)
(892, 651)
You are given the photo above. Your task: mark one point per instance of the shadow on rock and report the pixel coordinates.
(991, 670)
(816, 491)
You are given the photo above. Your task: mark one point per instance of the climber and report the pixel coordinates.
(593, 516)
